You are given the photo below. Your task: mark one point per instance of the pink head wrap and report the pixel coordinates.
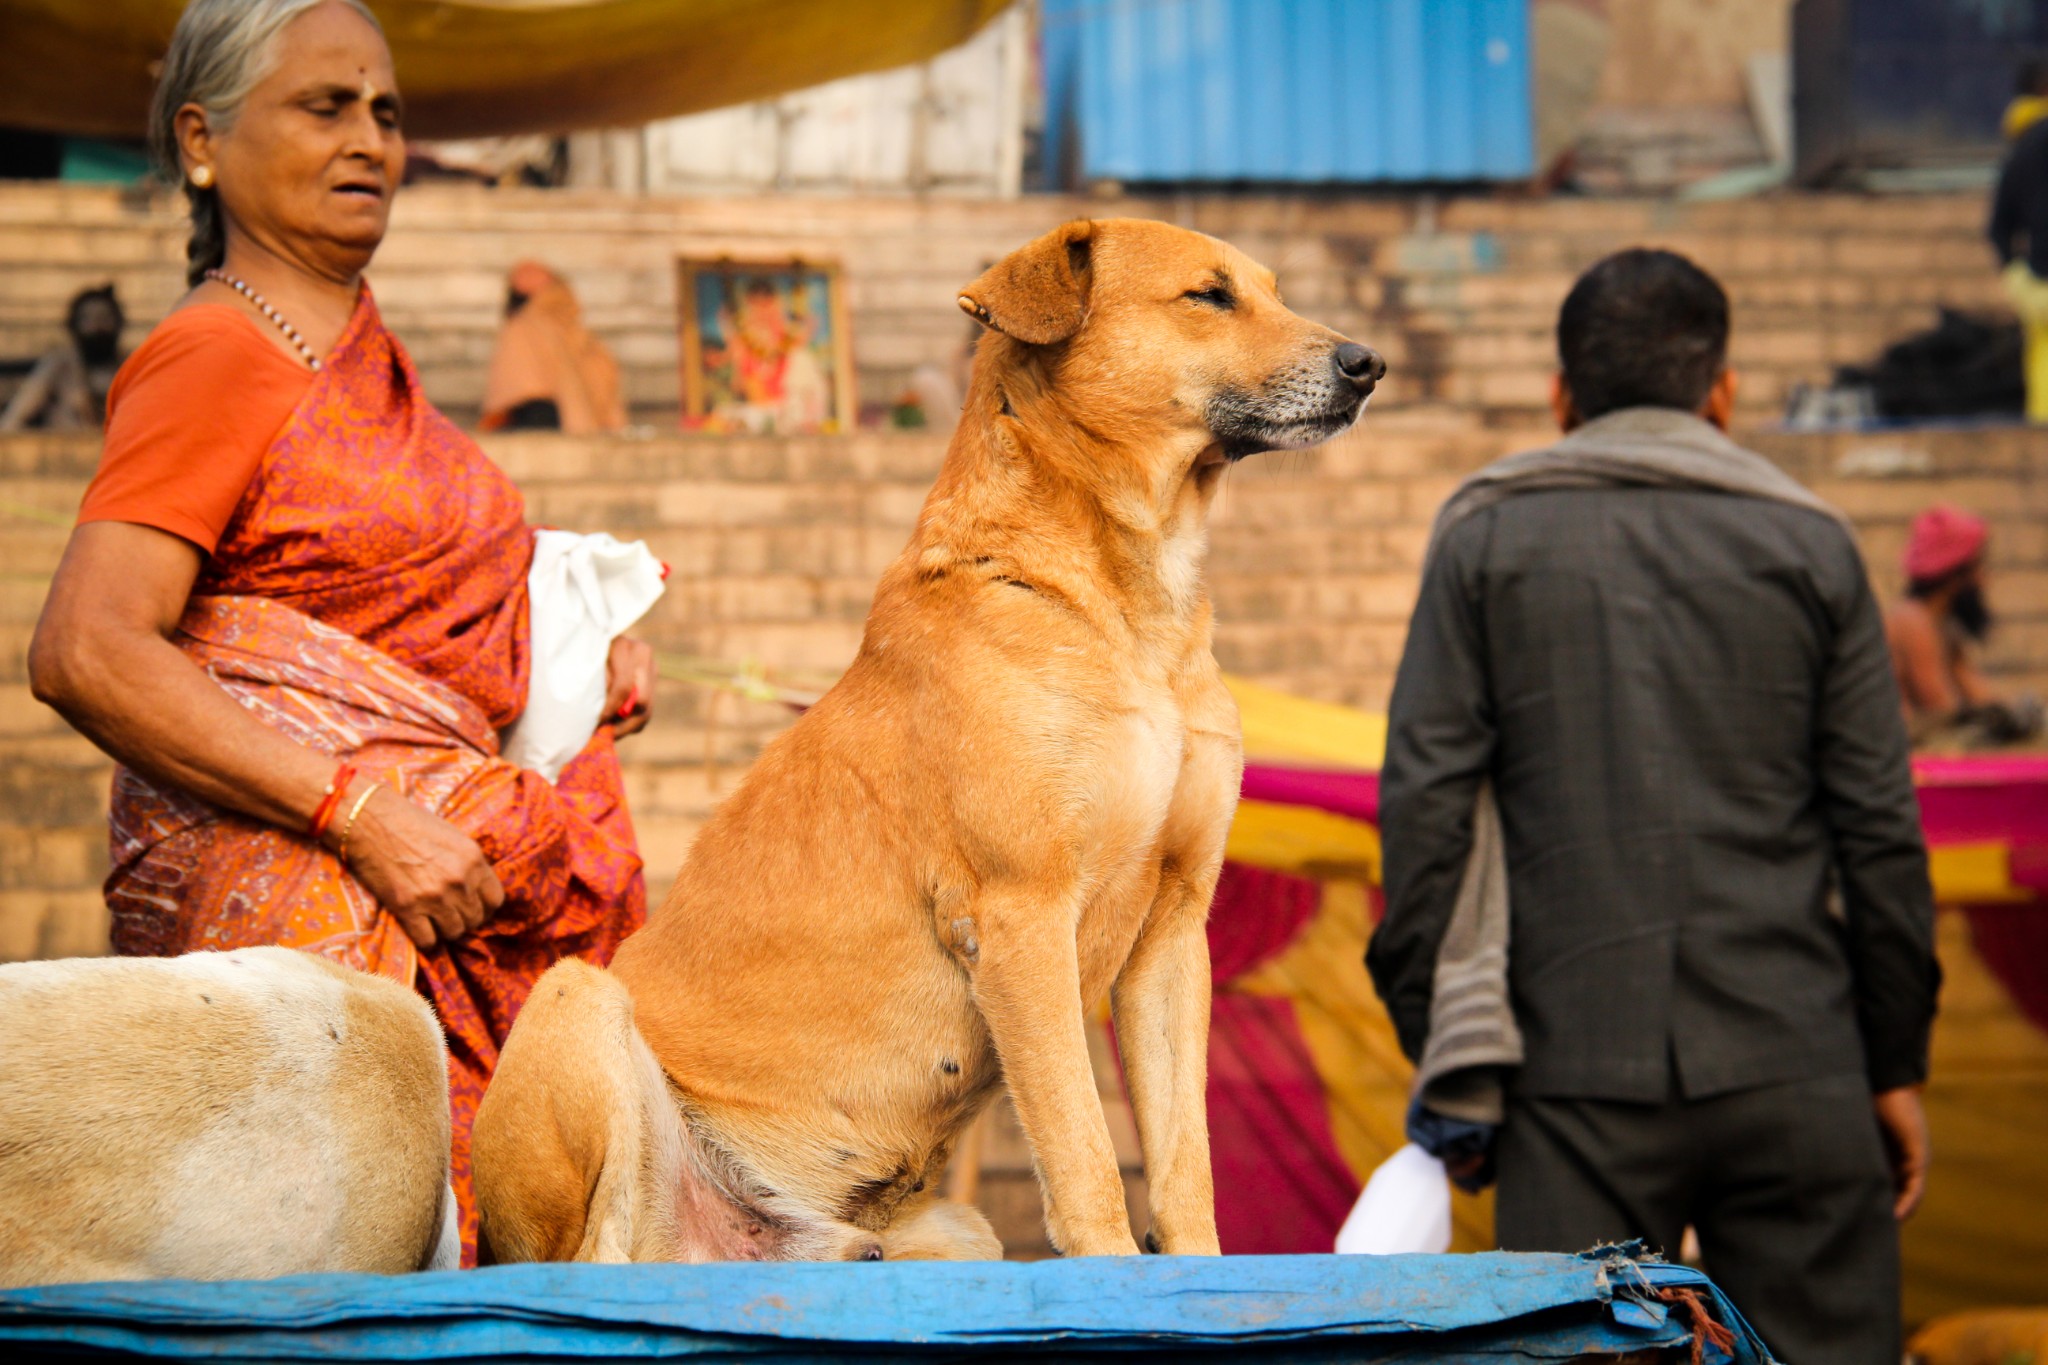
(1944, 539)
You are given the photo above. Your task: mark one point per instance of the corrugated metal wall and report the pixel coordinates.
(1287, 90)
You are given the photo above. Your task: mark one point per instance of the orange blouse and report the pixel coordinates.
(189, 418)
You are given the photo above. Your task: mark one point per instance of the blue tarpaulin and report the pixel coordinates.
(1492, 1308)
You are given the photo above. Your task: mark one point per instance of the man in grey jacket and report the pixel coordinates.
(1664, 658)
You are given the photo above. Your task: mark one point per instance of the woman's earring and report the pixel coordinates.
(201, 177)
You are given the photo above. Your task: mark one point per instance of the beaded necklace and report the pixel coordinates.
(291, 333)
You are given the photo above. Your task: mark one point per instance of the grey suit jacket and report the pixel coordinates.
(1686, 705)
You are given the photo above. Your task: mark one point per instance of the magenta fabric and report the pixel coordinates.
(2013, 942)
(1944, 538)
(1255, 915)
(1338, 791)
(1993, 798)
(1281, 1185)
(1999, 798)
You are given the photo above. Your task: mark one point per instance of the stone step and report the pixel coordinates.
(44, 924)
(1392, 271)
(50, 796)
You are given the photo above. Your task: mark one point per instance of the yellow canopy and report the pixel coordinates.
(478, 68)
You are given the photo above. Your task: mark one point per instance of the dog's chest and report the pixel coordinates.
(1135, 786)
(1134, 806)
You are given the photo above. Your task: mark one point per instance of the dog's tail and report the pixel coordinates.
(940, 1230)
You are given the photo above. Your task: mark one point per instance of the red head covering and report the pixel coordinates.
(1944, 539)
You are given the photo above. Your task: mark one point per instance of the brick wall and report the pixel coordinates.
(1459, 293)
(776, 546)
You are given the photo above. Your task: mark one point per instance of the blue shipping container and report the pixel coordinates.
(1298, 91)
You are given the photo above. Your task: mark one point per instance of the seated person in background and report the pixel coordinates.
(1932, 628)
(548, 372)
(67, 390)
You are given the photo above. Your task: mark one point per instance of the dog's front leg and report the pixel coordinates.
(1161, 1007)
(1021, 955)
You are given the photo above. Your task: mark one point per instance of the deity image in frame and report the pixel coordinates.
(764, 348)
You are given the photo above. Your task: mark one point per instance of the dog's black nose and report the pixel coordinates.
(1361, 365)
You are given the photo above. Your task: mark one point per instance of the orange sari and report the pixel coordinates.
(368, 598)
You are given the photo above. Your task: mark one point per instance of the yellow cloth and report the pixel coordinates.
(1280, 728)
(484, 68)
(2023, 113)
(2029, 294)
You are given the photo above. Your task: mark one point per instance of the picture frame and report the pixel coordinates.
(765, 347)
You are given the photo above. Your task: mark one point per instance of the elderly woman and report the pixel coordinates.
(295, 606)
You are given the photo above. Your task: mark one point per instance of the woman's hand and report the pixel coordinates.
(429, 875)
(629, 686)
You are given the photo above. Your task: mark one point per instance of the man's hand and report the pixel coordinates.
(629, 686)
(1904, 1125)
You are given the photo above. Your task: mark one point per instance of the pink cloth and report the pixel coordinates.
(1944, 539)
(1338, 791)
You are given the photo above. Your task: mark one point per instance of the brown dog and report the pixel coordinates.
(1013, 803)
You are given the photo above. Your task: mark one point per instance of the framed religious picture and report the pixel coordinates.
(765, 348)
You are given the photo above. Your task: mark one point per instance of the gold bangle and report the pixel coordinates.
(348, 824)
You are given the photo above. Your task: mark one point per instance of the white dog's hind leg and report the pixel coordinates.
(447, 1252)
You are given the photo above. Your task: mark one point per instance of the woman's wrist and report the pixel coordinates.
(354, 817)
(321, 821)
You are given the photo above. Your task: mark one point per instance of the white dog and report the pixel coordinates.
(219, 1115)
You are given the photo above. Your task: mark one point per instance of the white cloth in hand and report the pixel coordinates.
(1406, 1206)
(586, 591)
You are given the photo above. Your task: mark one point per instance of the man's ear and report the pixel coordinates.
(1720, 405)
(1561, 405)
(1039, 292)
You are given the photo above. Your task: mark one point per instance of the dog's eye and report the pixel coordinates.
(1216, 296)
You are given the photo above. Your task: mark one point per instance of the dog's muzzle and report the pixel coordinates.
(1298, 408)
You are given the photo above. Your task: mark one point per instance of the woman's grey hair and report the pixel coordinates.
(220, 51)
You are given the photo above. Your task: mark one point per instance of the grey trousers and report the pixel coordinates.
(1787, 1186)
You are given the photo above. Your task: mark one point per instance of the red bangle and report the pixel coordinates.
(323, 814)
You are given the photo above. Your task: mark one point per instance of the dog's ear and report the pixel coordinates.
(1039, 292)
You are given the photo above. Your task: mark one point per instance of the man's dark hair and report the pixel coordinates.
(1642, 328)
(2032, 77)
(84, 297)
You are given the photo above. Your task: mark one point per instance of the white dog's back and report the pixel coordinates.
(245, 1114)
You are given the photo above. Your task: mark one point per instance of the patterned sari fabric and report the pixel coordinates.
(369, 600)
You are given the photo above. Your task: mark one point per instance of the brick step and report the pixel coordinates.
(53, 860)
(51, 796)
(42, 923)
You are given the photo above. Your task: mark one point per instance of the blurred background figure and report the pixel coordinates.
(2019, 224)
(1937, 626)
(549, 373)
(67, 390)
(1986, 1336)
